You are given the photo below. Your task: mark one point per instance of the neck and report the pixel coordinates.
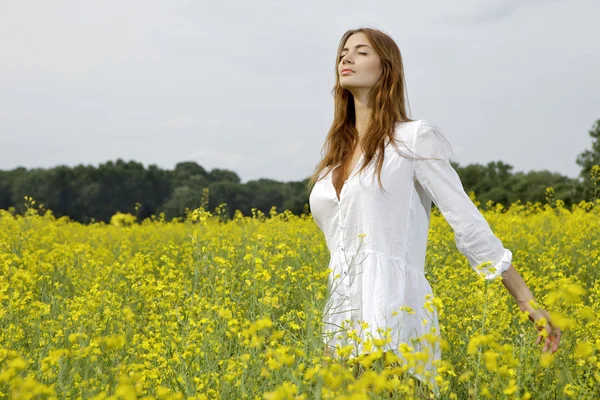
(363, 115)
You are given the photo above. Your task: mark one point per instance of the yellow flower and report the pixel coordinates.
(491, 358)
(17, 364)
(584, 350)
(512, 387)
(546, 359)
(465, 376)
(345, 351)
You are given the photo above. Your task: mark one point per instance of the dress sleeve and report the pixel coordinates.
(440, 181)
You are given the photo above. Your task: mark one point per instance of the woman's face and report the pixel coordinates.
(365, 65)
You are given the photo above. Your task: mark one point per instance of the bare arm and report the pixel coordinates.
(515, 284)
(517, 287)
(473, 236)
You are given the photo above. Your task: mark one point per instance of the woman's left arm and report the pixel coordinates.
(473, 236)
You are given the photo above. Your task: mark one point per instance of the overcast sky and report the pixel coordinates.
(246, 85)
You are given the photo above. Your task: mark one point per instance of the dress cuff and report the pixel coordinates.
(502, 266)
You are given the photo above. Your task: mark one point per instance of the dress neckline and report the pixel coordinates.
(358, 162)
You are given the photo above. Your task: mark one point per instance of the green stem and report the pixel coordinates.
(482, 332)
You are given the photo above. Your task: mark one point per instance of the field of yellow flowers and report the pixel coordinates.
(200, 308)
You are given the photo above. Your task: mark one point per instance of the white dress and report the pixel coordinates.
(375, 277)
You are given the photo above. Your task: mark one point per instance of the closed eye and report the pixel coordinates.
(358, 53)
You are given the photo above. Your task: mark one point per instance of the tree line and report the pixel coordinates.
(88, 193)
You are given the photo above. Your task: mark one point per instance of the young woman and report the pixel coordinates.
(377, 232)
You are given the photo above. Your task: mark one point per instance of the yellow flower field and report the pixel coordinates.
(203, 309)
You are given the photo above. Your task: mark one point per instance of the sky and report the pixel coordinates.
(247, 86)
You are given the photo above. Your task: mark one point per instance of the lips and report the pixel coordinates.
(347, 70)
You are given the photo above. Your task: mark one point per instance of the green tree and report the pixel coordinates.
(189, 174)
(223, 175)
(588, 158)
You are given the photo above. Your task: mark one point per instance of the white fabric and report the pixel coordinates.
(374, 276)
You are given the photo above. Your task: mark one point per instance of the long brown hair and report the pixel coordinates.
(388, 99)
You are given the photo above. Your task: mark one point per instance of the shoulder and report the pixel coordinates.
(410, 132)
(425, 127)
(406, 130)
(430, 141)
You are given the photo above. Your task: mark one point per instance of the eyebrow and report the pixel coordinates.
(357, 46)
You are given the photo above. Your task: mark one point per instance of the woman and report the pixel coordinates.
(377, 234)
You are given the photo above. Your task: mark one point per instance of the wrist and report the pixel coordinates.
(526, 305)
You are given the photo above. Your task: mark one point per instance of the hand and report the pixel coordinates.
(553, 338)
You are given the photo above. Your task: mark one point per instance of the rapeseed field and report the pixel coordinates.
(203, 308)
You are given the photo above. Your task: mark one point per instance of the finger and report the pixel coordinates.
(557, 341)
(541, 333)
